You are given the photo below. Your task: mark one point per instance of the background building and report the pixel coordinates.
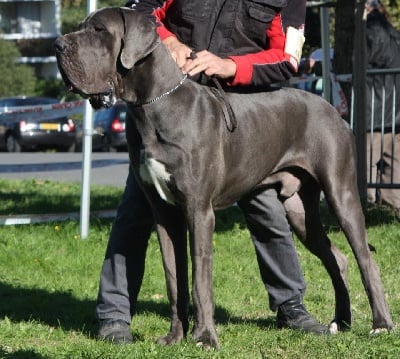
(33, 25)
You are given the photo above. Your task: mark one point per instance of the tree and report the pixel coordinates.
(74, 11)
(345, 30)
(16, 79)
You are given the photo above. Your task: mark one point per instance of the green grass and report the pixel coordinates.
(49, 278)
(34, 196)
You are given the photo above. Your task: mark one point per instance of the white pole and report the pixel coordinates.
(87, 154)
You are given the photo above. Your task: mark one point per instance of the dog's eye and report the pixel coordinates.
(99, 28)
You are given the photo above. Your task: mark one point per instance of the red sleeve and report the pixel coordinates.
(160, 14)
(274, 61)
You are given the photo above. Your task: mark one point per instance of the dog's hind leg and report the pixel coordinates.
(171, 230)
(347, 207)
(302, 209)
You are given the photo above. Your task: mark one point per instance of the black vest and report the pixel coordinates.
(223, 27)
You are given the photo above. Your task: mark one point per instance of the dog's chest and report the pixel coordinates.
(154, 172)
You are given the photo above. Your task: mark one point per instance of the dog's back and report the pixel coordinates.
(292, 128)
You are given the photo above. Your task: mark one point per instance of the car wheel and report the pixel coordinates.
(78, 147)
(72, 148)
(12, 144)
(105, 144)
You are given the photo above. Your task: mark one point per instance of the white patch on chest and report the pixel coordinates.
(154, 172)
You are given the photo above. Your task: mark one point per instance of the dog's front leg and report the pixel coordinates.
(201, 227)
(171, 230)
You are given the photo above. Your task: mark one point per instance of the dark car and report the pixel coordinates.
(109, 129)
(17, 135)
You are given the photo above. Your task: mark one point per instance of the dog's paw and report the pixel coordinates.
(333, 328)
(206, 338)
(378, 331)
(170, 338)
(337, 326)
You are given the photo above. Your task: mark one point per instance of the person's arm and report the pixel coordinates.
(273, 64)
(277, 63)
(156, 10)
(266, 66)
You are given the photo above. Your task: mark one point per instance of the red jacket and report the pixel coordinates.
(250, 32)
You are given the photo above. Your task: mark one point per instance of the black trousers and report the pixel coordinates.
(123, 267)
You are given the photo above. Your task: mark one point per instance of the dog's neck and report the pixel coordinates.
(152, 78)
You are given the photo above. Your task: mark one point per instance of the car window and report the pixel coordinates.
(102, 115)
(121, 112)
(38, 101)
(4, 104)
(122, 115)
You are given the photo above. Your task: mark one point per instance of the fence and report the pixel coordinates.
(383, 125)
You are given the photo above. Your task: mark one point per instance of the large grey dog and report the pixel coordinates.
(192, 162)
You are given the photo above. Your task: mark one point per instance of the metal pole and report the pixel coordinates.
(326, 49)
(87, 154)
(359, 76)
(86, 168)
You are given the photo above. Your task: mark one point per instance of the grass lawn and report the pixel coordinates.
(49, 279)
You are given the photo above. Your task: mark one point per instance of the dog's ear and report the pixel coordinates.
(140, 37)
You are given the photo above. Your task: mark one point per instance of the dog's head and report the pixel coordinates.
(94, 60)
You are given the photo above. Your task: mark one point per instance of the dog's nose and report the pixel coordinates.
(60, 44)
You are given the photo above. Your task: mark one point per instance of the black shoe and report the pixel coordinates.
(115, 330)
(293, 315)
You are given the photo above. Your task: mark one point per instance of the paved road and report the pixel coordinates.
(107, 168)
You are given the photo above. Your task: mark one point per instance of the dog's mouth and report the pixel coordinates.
(102, 99)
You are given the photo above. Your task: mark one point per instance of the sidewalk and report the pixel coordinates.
(107, 168)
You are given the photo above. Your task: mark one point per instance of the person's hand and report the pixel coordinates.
(211, 64)
(206, 61)
(179, 51)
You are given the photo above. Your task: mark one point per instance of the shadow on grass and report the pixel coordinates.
(57, 309)
(375, 215)
(63, 310)
(20, 354)
(222, 315)
(226, 219)
(38, 204)
(30, 202)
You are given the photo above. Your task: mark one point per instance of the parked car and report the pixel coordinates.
(17, 135)
(109, 129)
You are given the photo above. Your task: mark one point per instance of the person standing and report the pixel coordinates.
(383, 149)
(247, 45)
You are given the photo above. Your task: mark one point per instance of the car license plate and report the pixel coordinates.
(49, 126)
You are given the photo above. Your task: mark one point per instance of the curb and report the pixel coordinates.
(45, 218)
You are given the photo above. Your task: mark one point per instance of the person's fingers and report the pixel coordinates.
(179, 51)
(210, 64)
(197, 62)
